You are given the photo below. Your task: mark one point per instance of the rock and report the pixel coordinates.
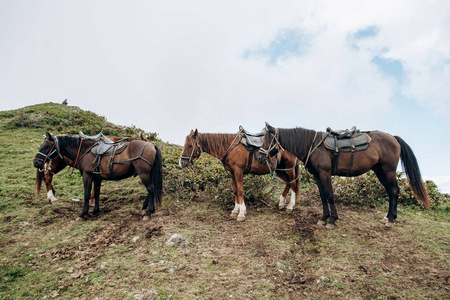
(175, 238)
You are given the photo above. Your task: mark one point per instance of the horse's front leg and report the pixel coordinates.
(239, 207)
(326, 193)
(48, 177)
(87, 182)
(97, 185)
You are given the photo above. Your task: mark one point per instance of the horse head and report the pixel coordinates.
(271, 145)
(191, 150)
(48, 150)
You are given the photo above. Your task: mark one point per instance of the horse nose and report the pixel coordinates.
(182, 163)
(37, 164)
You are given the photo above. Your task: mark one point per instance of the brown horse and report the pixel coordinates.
(381, 156)
(235, 158)
(57, 164)
(137, 158)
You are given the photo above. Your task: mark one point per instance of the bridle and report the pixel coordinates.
(274, 144)
(51, 152)
(196, 149)
(55, 148)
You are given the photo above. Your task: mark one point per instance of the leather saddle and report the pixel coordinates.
(346, 140)
(252, 139)
(104, 146)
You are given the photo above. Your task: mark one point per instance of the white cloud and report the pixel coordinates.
(170, 66)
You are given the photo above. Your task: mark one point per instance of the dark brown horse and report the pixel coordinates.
(57, 164)
(235, 158)
(138, 158)
(381, 156)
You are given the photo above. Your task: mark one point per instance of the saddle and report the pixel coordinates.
(105, 146)
(252, 142)
(251, 139)
(346, 140)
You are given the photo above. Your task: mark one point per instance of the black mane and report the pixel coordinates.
(296, 140)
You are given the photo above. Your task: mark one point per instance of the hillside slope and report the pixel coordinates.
(273, 254)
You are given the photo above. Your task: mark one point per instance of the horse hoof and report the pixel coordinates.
(240, 219)
(54, 202)
(280, 207)
(146, 218)
(143, 212)
(321, 223)
(78, 219)
(385, 219)
(233, 215)
(330, 226)
(289, 210)
(389, 224)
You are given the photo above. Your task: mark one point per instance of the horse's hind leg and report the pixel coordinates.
(150, 203)
(282, 203)
(389, 181)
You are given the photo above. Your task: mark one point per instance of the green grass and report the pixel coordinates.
(272, 255)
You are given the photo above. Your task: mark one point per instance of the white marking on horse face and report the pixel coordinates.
(50, 196)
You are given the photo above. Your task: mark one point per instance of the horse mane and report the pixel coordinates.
(296, 140)
(216, 144)
(69, 141)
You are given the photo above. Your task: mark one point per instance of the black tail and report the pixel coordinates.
(411, 169)
(156, 176)
(38, 182)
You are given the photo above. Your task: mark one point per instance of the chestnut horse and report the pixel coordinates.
(235, 158)
(138, 158)
(57, 164)
(381, 156)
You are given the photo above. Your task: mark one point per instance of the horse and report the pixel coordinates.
(54, 166)
(237, 160)
(137, 158)
(381, 156)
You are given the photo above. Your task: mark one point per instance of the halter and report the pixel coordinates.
(274, 144)
(195, 149)
(55, 148)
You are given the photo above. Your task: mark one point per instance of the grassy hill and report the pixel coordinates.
(273, 254)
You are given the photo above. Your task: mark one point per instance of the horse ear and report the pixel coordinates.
(270, 128)
(195, 133)
(48, 135)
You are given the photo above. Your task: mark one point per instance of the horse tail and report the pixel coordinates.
(412, 171)
(38, 182)
(156, 176)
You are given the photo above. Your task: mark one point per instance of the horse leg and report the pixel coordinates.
(294, 189)
(238, 187)
(97, 185)
(150, 203)
(282, 203)
(326, 193)
(48, 177)
(87, 182)
(389, 181)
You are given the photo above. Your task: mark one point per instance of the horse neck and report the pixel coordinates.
(69, 147)
(298, 141)
(216, 144)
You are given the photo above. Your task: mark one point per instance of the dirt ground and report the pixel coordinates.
(273, 254)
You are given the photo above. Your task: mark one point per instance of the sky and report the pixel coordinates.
(172, 66)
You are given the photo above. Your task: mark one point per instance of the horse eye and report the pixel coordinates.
(189, 146)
